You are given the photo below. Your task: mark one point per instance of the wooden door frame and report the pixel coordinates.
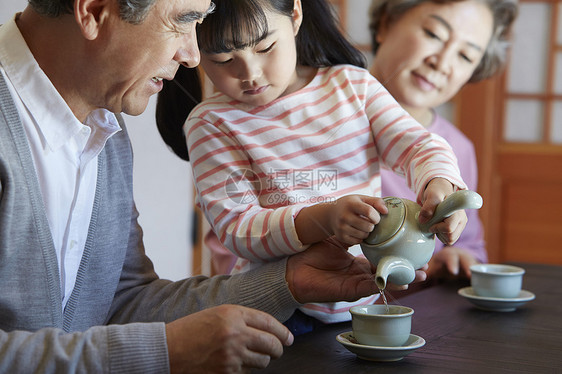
(507, 168)
(477, 116)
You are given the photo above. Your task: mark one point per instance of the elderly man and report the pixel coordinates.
(78, 293)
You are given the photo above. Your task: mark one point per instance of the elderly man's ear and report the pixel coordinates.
(90, 15)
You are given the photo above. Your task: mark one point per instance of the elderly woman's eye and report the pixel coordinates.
(431, 34)
(466, 58)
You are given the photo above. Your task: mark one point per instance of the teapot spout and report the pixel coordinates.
(395, 270)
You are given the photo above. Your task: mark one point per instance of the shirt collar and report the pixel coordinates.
(52, 115)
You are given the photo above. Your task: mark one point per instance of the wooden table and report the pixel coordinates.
(459, 337)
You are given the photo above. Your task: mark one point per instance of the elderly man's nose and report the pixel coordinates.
(188, 53)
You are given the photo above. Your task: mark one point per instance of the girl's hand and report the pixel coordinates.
(450, 229)
(353, 217)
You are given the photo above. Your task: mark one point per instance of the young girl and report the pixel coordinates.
(426, 51)
(288, 152)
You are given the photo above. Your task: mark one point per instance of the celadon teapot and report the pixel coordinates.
(399, 244)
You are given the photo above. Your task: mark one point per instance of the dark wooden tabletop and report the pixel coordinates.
(459, 337)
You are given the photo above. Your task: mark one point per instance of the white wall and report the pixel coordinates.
(164, 197)
(9, 7)
(163, 188)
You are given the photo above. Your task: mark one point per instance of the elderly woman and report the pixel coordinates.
(425, 52)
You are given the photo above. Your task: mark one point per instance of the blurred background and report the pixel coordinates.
(515, 122)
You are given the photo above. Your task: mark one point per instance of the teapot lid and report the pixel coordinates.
(390, 223)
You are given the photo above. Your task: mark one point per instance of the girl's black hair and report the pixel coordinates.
(175, 101)
(236, 24)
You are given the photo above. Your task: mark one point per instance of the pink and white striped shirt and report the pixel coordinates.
(255, 168)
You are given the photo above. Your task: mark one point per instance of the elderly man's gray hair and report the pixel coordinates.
(133, 11)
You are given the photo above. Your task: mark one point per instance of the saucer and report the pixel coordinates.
(496, 304)
(376, 353)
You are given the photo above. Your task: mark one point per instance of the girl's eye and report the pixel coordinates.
(267, 49)
(218, 58)
(224, 62)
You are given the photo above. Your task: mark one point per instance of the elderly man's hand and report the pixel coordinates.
(225, 339)
(326, 272)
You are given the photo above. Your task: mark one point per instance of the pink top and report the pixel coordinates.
(394, 185)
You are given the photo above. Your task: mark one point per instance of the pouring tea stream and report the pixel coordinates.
(399, 244)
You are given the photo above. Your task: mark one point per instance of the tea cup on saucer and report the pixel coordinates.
(375, 325)
(496, 280)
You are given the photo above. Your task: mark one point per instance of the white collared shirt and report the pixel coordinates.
(64, 150)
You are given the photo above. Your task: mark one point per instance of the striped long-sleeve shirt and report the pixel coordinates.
(255, 168)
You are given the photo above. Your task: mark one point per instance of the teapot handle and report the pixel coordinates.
(462, 199)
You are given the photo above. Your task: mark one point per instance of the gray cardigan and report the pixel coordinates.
(114, 319)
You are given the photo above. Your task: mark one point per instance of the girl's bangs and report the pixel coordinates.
(233, 25)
